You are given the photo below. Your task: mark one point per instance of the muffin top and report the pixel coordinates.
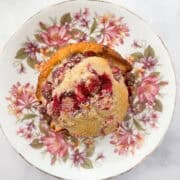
(86, 96)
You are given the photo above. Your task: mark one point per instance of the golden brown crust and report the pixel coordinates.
(81, 47)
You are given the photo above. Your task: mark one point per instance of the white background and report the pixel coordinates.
(164, 18)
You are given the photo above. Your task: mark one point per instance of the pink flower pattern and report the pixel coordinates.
(148, 90)
(113, 30)
(81, 18)
(31, 48)
(126, 139)
(149, 63)
(77, 27)
(105, 29)
(55, 144)
(78, 157)
(150, 119)
(55, 36)
(21, 99)
(27, 130)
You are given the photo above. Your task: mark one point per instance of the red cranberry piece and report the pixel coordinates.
(56, 106)
(106, 83)
(89, 53)
(68, 104)
(82, 92)
(76, 58)
(73, 60)
(47, 91)
(57, 72)
(93, 85)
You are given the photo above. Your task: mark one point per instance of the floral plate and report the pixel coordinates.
(151, 86)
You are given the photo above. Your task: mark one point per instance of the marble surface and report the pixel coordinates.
(163, 16)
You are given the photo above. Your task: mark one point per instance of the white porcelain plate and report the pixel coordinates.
(151, 86)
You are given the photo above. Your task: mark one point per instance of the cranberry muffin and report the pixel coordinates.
(82, 90)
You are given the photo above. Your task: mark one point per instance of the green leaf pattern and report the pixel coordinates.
(134, 82)
(74, 29)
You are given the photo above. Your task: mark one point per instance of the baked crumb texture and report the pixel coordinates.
(82, 89)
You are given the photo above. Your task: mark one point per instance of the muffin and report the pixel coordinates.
(82, 89)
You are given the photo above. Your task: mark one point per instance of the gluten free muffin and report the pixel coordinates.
(82, 89)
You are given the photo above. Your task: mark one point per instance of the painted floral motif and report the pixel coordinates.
(22, 99)
(27, 130)
(31, 48)
(55, 144)
(126, 139)
(148, 90)
(113, 31)
(55, 36)
(71, 28)
(144, 85)
(78, 157)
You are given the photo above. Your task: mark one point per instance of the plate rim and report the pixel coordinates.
(159, 38)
